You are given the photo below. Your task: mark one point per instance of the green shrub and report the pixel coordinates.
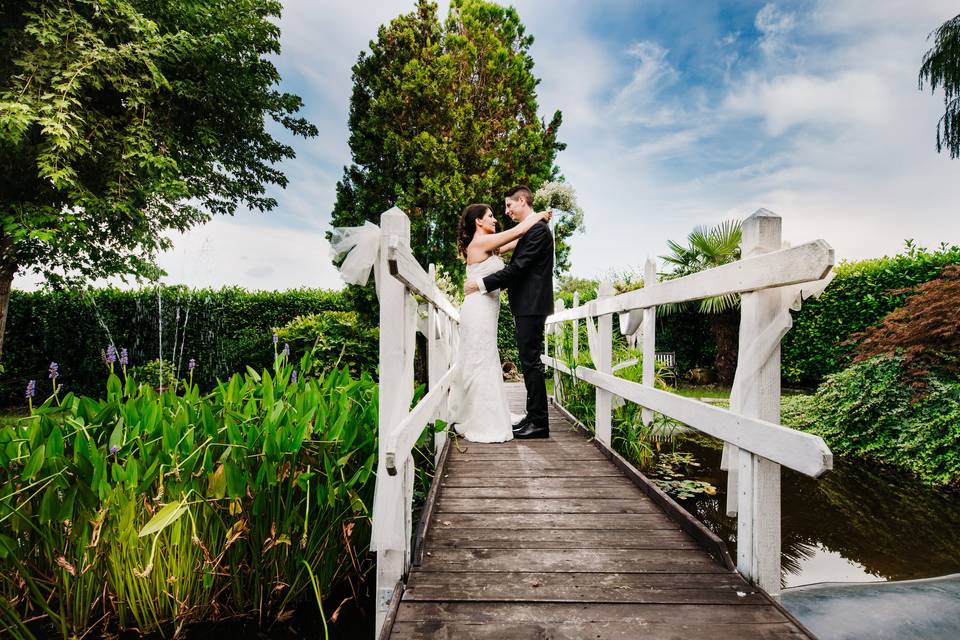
(222, 330)
(868, 410)
(336, 337)
(148, 511)
(859, 297)
(160, 374)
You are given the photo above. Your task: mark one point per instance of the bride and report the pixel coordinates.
(479, 400)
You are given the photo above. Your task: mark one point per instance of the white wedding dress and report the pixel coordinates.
(478, 396)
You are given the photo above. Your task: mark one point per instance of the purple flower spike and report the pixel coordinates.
(31, 389)
(276, 339)
(124, 357)
(114, 449)
(54, 371)
(111, 354)
(286, 349)
(191, 365)
(293, 377)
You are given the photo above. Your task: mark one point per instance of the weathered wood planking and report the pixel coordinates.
(549, 539)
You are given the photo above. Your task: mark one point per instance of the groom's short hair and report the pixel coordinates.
(521, 191)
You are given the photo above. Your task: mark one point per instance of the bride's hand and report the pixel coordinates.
(546, 215)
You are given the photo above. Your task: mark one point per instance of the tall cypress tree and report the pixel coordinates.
(443, 115)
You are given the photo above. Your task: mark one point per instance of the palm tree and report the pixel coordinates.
(941, 67)
(707, 248)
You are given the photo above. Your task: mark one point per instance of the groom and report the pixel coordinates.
(528, 280)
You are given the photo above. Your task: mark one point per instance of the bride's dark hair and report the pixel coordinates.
(468, 226)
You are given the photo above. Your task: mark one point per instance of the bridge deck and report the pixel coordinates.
(550, 539)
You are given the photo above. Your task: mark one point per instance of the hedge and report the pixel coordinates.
(861, 294)
(222, 330)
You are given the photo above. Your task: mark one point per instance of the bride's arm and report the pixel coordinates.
(510, 246)
(496, 240)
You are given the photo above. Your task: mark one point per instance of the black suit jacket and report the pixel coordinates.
(528, 278)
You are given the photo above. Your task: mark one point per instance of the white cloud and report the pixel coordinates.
(849, 98)
(775, 25)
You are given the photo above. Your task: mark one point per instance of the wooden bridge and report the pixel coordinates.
(563, 538)
(560, 538)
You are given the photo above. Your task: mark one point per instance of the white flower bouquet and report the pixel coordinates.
(560, 197)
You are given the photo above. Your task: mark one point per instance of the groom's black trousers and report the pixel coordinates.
(530, 346)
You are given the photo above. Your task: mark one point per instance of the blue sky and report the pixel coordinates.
(676, 113)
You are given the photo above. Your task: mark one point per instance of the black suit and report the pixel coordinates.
(528, 280)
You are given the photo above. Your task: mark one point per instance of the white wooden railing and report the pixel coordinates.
(771, 280)
(401, 317)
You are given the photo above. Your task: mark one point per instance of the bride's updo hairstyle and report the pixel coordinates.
(468, 225)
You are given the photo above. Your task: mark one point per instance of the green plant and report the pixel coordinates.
(336, 337)
(869, 411)
(160, 374)
(149, 510)
(670, 472)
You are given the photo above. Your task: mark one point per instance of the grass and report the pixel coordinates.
(690, 391)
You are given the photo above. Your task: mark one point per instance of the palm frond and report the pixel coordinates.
(719, 304)
(672, 308)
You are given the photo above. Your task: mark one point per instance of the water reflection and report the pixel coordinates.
(857, 523)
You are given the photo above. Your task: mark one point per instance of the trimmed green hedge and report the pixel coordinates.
(222, 330)
(859, 297)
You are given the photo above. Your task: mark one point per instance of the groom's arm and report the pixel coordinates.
(538, 241)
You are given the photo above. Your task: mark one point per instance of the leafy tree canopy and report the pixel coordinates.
(443, 115)
(941, 68)
(122, 119)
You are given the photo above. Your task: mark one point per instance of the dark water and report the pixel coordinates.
(857, 523)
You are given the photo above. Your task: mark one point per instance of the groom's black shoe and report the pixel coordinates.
(524, 421)
(531, 430)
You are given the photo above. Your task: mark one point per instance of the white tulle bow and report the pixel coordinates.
(362, 247)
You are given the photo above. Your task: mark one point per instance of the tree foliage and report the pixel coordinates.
(122, 119)
(709, 247)
(443, 115)
(924, 332)
(941, 68)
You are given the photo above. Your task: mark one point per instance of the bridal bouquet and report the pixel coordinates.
(559, 196)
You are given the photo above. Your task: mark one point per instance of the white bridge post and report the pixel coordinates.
(394, 399)
(558, 334)
(604, 399)
(438, 361)
(649, 338)
(576, 331)
(758, 479)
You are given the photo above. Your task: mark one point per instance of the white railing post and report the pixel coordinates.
(576, 330)
(604, 399)
(557, 330)
(758, 481)
(394, 404)
(437, 363)
(649, 338)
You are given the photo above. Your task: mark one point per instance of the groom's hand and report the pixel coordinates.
(470, 287)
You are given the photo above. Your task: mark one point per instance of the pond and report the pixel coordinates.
(860, 523)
